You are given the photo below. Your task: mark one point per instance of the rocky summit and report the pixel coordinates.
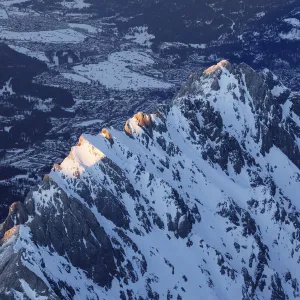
(197, 200)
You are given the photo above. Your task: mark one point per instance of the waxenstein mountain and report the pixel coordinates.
(197, 200)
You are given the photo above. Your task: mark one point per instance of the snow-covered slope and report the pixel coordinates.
(197, 200)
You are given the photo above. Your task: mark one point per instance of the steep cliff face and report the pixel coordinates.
(197, 199)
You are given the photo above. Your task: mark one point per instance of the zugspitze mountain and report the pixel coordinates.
(197, 200)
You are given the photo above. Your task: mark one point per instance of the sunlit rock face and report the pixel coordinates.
(197, 200)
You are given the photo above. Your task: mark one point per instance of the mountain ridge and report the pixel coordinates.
(197, 199)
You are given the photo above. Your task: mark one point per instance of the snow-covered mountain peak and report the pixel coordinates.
(223, 64)
(246, 103)
(199, 199)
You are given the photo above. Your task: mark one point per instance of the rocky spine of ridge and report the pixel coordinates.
(197, 199)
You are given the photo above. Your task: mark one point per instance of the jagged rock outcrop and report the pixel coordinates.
(17, 215)
(106, 134)
(199, 199)
(139, 120)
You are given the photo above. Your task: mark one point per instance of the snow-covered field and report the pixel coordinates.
(293, 35)
(88, 28)
(293, 21)
(3, 14)
(76, 4)
(75, 77)
(88, 123)
(131, 58)
(39, 55)
(12, 2)
(49, 36)
(117, 72)
(168, 45)
(198, 46)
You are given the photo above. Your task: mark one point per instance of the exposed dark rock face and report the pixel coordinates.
(197, 199)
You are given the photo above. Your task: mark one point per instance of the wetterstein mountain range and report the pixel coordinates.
(68, 67)
(198, 199)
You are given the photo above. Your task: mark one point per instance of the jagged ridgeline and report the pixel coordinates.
(198, 200)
